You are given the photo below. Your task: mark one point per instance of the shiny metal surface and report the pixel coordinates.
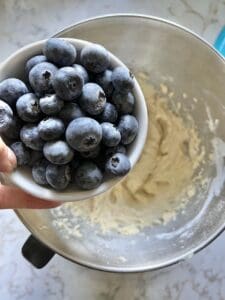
(161, 49)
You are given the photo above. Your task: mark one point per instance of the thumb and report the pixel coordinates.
(7, 158)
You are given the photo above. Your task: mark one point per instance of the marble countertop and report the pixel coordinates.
(202, 276)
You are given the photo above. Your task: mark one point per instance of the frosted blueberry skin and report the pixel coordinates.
(39, 172)
(128, 128)
(58, 177)
(33, 61)
(124, 103)
(13, 131)
(68, 84)
(95, 58)
(82, 72)
(60, 52)
(113, 150)
(104, 79)
(29, 135)
(51, 128)
(93, 99)
(109, 114)
(6, 116)
(41, 78)
(70, 111)
(21, 152)
(122, 80)
(11, 89)
(118, 165)
(84, 134)
(88, 176)
(28, 108)
(58, 152)
(111, 136)
(51, 104)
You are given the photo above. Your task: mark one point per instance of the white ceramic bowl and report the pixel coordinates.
(14, 67)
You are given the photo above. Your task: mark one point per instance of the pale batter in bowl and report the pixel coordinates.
(160, 183)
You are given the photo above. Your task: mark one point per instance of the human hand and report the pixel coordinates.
(12, 197)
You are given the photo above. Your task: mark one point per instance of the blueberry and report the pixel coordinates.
(51, 104)
(51, 128)
(58, 176)
(11, 89)
(34, 157)
(68, 83)
(105, 81)
(28, 108)
(109, 113)
(95, 58)
(33, 61)
(91, 154)
(113, 150)
(128, 128)
(88, 176)
(6, 116)
(75, 162)
(110, 135)
(58, 152)
(39, 171)
(21, 152)
(122, 79)
(70, 112)
(118, 165)
(124, 103)
(82, 72)
(13, 131)
(60, 52)
(93, 99)
(29, 135)
(100, 160)
(41, 77)
(84, 134)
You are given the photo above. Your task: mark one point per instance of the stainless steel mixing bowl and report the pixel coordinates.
(164, 50)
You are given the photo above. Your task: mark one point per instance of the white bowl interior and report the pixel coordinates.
(14, 67)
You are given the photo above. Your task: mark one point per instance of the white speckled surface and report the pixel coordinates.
(201, 277)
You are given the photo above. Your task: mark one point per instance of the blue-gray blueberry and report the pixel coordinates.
(95, 58)
(21, 152)
(29, 135)
(84, 134)
(58, 152)
(11, 89)
(28, 108)
(88, 176)
(60, 52)
(51, 128)
(93, 99)
(58, 177)
(51, 104)
(68, 83)
(128, 128)
(118, 165)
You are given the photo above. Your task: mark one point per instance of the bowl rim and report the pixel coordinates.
(23, 182)
(148, 267)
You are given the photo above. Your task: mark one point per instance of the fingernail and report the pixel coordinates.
(11, 159)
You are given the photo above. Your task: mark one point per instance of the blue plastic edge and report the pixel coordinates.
(220, 42)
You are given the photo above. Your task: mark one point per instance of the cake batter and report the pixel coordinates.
(154, 189)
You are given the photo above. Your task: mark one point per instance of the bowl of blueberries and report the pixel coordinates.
(75, 117)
